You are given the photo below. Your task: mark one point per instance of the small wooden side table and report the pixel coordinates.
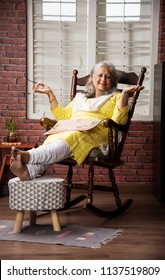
(5, 149)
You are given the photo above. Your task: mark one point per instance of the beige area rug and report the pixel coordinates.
(70, 235)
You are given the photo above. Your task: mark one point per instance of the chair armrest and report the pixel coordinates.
(47, 123)
(116, 137)
(109, 123)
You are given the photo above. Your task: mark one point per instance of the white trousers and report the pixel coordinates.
(43, 156)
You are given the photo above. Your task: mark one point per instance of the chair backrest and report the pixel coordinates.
(125, 78)
(117, 133)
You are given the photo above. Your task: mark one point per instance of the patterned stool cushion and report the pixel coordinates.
(43, 193)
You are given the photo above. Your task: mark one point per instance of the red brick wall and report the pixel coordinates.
(12, 70)
(138, 149)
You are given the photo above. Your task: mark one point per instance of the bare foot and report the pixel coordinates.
(24, 155)
(14, 153)
(18, 168)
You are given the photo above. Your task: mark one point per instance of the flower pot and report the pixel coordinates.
(11, 137)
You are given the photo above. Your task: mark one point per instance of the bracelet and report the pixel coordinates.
(52, 99)
(125, 94)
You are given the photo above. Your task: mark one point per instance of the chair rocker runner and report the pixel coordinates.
(116, 139)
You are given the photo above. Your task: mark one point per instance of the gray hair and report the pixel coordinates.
(90, 89)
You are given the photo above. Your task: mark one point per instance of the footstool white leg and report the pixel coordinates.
(18, 222)
(40, 194)
(55, 220)
(32, 218)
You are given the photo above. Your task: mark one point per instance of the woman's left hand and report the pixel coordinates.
(126, 93)
(130, 90)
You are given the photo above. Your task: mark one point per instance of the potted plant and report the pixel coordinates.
(11, 126)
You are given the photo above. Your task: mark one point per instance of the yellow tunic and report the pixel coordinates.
(82, 142)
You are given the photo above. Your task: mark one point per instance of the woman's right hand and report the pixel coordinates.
(42, 88)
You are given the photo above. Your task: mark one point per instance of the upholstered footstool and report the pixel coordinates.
(43, 193)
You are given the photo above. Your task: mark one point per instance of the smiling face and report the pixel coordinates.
(102, 80)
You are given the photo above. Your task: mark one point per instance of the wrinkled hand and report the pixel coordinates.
(130, 90)
(42, 88)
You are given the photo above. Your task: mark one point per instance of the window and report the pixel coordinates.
(66, 35)
(55, 48)
(124, 36)
(118, 10)
(59, 10)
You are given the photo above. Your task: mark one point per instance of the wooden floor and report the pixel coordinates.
(143, 236)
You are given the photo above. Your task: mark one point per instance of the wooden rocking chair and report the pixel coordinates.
(96, 158)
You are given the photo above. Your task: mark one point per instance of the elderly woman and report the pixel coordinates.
(100, 100)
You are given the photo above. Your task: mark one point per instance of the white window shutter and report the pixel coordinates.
(123, 32)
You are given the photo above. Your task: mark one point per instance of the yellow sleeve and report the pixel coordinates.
(119, 116)
(61, 113)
